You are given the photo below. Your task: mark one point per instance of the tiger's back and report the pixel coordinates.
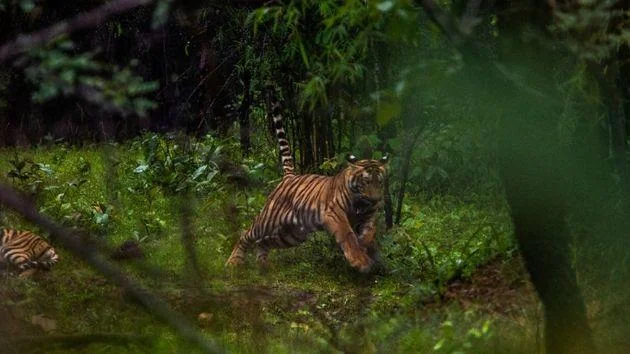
(26, 250)
(282, 220)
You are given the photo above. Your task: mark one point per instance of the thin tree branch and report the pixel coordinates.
(92, 18)
(75, 244)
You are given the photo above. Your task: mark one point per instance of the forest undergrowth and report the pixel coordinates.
(448, 277)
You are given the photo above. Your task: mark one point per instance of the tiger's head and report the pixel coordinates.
(45, 252)
(365, 178)
(51, 255)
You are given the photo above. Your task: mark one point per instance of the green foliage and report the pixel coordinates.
(124, 91)
(26, 174)
(56, 72)
(443, 238)
(450, 342)
(332, 40)
(62, 188)
(160, 14)
(333, 165)
(387, 110)
(25, 5)
(178, 164)
(446, 158)
(587, 29)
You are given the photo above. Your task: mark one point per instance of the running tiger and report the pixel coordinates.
(25, 250)
(345, 205)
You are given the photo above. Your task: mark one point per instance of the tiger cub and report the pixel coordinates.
(345, 205)
(25, 250)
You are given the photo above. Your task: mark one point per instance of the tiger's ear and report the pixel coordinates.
(385, 159)
(351, 158)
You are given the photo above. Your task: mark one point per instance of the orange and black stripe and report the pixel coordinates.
(26, 250)
(285, 150)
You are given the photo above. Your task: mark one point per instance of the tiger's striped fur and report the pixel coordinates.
(25, 250)
(345, 205)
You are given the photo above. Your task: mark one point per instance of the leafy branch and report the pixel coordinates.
(55, 72)
(25, 42)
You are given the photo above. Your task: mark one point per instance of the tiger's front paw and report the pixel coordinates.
(360, 260)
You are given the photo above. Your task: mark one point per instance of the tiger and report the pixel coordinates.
(344, 205)
(26, 250)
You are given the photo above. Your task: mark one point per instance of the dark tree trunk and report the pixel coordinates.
(331, 137)
(320, 141)
(534, 193)
(340, 129)
(306, 148)
(537, 172)
(615, 96)
(389, 213)
(353, 135)
(404, 174)
(535, 168)
(244, 114)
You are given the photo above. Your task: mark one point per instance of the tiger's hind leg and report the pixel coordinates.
(23, 267)
(240, 250)
(26, 265)
(238, 255)
(262, 252)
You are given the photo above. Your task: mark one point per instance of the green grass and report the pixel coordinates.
(309, 300)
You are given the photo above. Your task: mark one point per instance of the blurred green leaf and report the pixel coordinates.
(385, 6)
(141, 168)
(387, 111)
(27, 5)
(160, 14)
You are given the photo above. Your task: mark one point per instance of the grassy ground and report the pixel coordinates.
(447, 280)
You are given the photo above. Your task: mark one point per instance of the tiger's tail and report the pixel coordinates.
(288, 167)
